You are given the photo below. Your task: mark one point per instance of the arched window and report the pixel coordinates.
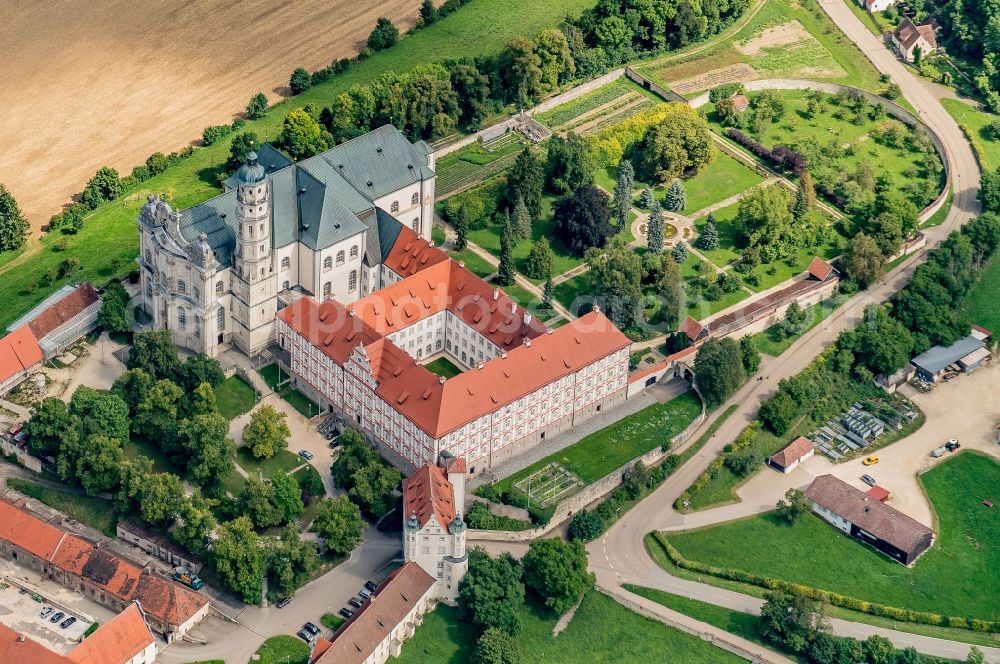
(394, 207)
(149, 290)
(437, 344)
(285, 286)
(220, 319)
(262, 229)
(286, 263)
(182, 287)
(197, 294)
(149, 256)
(416, 225)
(414, 199)
(327, 263)
(352, 281)
(428, 351)
(219, 287)
(354, 251)
(182, 318)
(327, 289)
(340, 257)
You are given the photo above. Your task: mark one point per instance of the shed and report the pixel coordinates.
(931, 365)
(878, 493)
(790, 456)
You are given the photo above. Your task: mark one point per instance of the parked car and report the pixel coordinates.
(366, 594)
(334, 444)
(869, 480)
(346, 612)
(45, 612)
(939, 452)
(355, 602)
(69, 621)
(283, 601)
(330, 435)
(311, 628)
(306, 454)
(871, 460)
(57, 616)
(304, 635)
(371, 585)
(952, 445)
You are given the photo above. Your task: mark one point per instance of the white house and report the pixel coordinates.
(876, 5)
(908, 38)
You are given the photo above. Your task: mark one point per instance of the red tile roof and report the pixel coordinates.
(116, 641)
(411, 254)
(372, 624)
(692, 328)
(531, 355)
(819, 268)
(740, 102)
(427, 491)
(27, 531)
(19, 351)
(886, 523)
(16, 647)
(64, 310)
(162, 599)
(792, 452)
(878, 493)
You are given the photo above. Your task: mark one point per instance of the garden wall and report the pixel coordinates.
(640, 380)
(891, 108)
(23, 458)
(669, 95)
(591, 492)
(765, 312)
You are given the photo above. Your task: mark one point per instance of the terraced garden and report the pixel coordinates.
(599, 108)
(477, 162)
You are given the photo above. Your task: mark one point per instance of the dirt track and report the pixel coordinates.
(88, 84)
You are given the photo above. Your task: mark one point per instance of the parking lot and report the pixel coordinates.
(20, 611)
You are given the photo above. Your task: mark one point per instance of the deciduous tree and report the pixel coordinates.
(257, 106)
(160, 497)
(491, 593)
(287, 497)
(525, 181)
(538, 264)
(718, 369)
(496, 647)
(568, 165)
(154, 352)
(863, 260)
(113, 315)
(616, 273)
(266, 433)
(794, 506)
(681, 142)
(521, 68)
(205, 442)
(290, 560)
(13, 225)
(385, 35)
(300, 81)
(582, 220)
(239, 559)
(555, 58)
(557, 571)
(338, 522)
(673, 293)
(301, 136)
(240, 148)
(751, 357)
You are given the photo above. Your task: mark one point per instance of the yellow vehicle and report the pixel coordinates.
(870, 461)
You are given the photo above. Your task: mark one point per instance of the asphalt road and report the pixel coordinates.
(620, 556)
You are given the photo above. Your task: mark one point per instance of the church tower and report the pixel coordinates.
(254, 280)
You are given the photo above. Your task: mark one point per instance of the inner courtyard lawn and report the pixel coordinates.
(596, 455)
(282, 650)
(956, 576)
(442, 366)
(601, 632)
(283, 462)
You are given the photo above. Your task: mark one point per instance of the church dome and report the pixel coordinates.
(251, 172)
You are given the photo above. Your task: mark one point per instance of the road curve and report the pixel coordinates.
(620, 556)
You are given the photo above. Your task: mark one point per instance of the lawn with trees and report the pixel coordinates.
(601, 452)
(948, 579)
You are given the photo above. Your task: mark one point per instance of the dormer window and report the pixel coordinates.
(394, 207)
(414, 199)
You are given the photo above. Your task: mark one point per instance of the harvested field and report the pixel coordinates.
(780, 35)
(735, 73)
(90, 84)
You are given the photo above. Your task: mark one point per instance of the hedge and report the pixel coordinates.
(741, 443)
(835, 599)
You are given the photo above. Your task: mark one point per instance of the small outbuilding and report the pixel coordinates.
(693, 330)
(790, 456)
(740, 103)
(965, 355)
(878, 493)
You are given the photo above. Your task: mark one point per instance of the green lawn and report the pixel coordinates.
(473, 262)
(726, 252)
(601, 632)
(901, 165)
(951, 578)
(94, 512)
(331, 621)
(723, 178)
(525, 298)
(442, 366)
(983, 302)
(596, 455)
(942, 213)
(235, 397)
(772, 342)
(301, 403)
(273, 375)
(282, 650)
(976, 122)
(233, 483)
(829, 55)
(480, 27)
(283, 462)
(734, 622)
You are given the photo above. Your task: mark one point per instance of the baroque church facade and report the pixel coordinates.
(217, 273)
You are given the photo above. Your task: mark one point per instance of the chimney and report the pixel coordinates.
(513, 307)
(527, 318)
(496, 293)
(597, 308)
(527, 342)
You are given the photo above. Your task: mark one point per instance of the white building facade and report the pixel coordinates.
(217, 273)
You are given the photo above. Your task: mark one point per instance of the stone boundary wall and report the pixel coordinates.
(708, 637)
(891, 108)
(546, 105)
(591, 492)
(28, 461)
(667, 94)
(773, 314)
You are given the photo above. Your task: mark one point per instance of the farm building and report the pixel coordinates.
(790, 456)
(20, 355)
(965, 355)
(869, 520)
(908, 38)
(62, 318)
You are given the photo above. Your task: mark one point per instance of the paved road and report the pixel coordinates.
(620, 556)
